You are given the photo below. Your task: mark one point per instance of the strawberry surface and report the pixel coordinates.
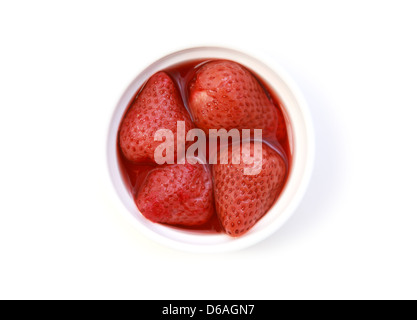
(158, 106)
(241, 200)
(180, 194)
(224, 94)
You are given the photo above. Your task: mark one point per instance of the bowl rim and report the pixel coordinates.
(297, 182)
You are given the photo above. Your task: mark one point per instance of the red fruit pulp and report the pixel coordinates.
(134, 174)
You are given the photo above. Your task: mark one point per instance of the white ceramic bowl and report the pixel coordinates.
(301, 144)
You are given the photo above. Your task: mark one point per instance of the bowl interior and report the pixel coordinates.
(301, 147)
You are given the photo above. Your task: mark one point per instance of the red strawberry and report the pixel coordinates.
(223, 94)
(241, 200)
(158, 106)
(179, 194)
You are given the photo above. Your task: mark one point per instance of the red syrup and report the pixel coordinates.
(134, 174)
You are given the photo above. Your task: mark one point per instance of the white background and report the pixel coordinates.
(63, 68)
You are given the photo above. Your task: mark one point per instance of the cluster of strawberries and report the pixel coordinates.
(221, 94)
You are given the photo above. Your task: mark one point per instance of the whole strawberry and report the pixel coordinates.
(223, 94)
(158, 106)
(180, 194)
(241, 200)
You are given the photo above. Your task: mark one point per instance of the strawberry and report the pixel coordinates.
(179, 194)
(224, 94)
(158, 106)
(241, 200)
